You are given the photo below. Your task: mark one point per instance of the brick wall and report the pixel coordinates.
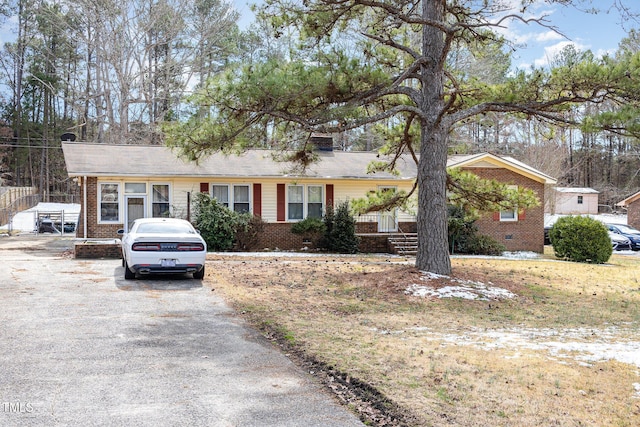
(96, 250)
(521, 235)
(633, 214)
(374, 243)
(279, 235)
(94, 230)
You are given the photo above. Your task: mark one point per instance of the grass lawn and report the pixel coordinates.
(550, 343)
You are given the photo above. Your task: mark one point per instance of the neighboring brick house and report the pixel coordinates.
(122, 182)
(632, 205)
(517, 230)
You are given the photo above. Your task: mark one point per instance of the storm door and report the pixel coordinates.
(135, 207)
(388, 220)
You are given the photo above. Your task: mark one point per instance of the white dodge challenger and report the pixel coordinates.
(162, 245)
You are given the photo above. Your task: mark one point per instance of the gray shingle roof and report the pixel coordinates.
(89, 159)
(159, 161)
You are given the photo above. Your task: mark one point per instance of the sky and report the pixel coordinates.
(599, 33)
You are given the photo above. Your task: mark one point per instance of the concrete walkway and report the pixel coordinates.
(80, 346)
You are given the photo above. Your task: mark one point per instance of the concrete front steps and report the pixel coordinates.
(404, 244)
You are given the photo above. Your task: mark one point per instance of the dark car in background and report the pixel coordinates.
(629, 232)
(619, 241)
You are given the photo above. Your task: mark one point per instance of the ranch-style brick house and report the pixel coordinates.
(119, 183)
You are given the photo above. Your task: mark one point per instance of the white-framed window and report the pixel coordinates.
(241, 198)
(160, 206)
(109, 202)
(295, 202)
(304, 202)
(509, 214)
(236, 197)
(135, 188)
(580, 200)
(315, 203)
(220, 193)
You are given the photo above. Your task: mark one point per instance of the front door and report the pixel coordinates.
(135, 207)
(388, 220)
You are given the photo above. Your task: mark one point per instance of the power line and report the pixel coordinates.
(30, 146)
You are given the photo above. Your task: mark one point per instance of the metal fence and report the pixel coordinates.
(17, 205)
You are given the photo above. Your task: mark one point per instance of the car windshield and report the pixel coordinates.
(164, 228)
(627, 229)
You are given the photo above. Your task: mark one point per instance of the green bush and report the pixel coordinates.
(464, 238)
(248, 229)
(216, 223)
(480, 244)
(581, 239)
(308, 226)
(340, 230)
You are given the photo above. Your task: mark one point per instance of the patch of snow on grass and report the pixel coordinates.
(465, 289)
(521, 255)
(583, 345)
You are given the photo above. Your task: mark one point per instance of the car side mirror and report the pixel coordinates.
(120, 231)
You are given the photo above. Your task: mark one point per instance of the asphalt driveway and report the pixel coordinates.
(80, 346)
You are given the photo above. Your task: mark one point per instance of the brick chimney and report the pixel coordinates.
(322, 141)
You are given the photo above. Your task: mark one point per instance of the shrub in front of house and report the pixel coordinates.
(216, 223)
(247, 231)
(311, 230)
(480, 244)
(581, 239)
(340, 230)
(464, 238)
(308, 226)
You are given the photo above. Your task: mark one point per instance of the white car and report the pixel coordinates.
(619, 242)
(162, 245)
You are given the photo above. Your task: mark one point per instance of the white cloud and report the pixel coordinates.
(547, 36)
(550, 52)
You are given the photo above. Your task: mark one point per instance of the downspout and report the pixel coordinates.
(84, 207)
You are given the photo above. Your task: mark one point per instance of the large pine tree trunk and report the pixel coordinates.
(433, 248)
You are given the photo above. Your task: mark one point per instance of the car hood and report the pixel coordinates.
(617, 237)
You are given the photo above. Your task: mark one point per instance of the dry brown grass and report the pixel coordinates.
(436, 358)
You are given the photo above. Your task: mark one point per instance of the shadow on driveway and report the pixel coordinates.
(156, 282)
